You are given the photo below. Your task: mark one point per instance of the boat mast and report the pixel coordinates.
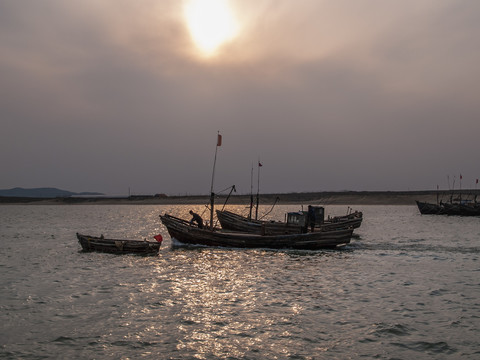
(460, 194)
(475, 199)
(258, 189)
(251, 195)
(212, 195)
(453, 191)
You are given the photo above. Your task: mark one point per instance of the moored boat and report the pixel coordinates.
(119, 246)
(235, 222)
(188, 234)
(454, 209)
(428, 208)
(461, 209)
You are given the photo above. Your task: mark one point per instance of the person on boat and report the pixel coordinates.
(196, 218)
(311, 217)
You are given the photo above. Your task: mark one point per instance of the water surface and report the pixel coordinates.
(407, 286)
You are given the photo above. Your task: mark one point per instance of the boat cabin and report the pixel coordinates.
(299, 218)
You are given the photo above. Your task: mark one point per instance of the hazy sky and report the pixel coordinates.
(329, 94)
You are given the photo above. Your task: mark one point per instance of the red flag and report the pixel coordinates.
(461, 177)
(260, 164)
(158, 237)
(219, 140)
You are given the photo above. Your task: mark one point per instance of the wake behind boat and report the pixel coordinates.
(117, 246)
(189, 234)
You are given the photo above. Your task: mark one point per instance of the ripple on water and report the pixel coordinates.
(389, 330)
(426, 347)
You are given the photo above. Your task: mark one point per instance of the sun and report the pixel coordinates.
(211, 23)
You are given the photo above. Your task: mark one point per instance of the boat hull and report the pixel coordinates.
(117, 246)
(235, 222)
(185, 233)
(429, 209)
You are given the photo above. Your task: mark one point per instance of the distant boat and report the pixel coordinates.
(117, 246)
(189, 234)
(464, 204)
(296, 222)
(428, 208)
(458, 209)
(461, 209)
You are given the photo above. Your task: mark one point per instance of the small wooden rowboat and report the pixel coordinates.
(117, 246)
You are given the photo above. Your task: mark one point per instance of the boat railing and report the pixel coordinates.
(183, 221)
(176, 218)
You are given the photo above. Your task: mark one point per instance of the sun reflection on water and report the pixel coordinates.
(210, 300)
(206, 290)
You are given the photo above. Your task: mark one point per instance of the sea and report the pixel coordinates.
(407, 286)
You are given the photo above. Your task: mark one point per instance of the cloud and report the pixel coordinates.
(331, 95)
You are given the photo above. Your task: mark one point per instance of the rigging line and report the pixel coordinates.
(232, 188)
(228, 188)
(268, 212)
(228, 197)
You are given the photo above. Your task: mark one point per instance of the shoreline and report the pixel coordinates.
(314, 198)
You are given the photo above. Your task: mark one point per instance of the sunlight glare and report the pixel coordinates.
(211, 23)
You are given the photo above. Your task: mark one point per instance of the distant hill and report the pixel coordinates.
(43, 193)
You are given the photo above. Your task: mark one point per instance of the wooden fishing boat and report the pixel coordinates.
(428, 208)
(232, 221)
(117, 246)
(461, 209)
(455, 209)
(188, 234)
(235, 222)
(353, 219)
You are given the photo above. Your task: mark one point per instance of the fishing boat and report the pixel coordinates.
(353, 219)
(460, 203)
(454, 209)
(428, 208)
(187, 234)
(296, 222)
(117, 246)
(461, 209)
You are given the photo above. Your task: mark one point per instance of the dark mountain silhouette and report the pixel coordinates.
(43, 193)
